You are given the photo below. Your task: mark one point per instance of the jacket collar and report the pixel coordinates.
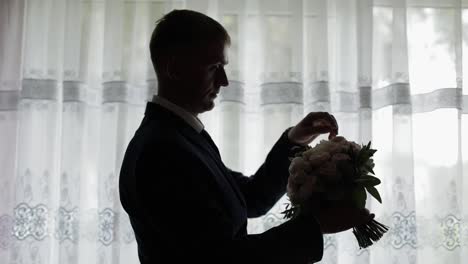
(192, 120)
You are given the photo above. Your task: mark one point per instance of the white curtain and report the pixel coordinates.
(75, 76)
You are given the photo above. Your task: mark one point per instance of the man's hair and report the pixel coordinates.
(181, 30)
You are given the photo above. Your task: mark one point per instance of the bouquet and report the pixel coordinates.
(335, 171)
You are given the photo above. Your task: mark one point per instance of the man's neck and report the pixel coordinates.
(177, 101)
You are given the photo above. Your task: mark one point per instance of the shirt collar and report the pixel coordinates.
(192, 120)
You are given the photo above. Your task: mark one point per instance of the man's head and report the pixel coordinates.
(188, 54)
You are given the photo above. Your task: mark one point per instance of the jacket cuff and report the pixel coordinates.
(293, 147)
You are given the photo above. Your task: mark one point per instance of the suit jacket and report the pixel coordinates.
(185, 205)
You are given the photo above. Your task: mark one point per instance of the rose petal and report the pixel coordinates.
(339, 139)
(319, 158)
(340, 156)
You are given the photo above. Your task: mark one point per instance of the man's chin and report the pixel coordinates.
(210, 105)
(207, 106)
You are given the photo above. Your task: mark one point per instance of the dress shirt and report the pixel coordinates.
(192, 120)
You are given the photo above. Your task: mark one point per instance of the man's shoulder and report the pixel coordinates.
(156, 137)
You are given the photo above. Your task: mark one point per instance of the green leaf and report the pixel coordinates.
(360, 156)
(370, 163)
(374, 192)
(369, 166)
(359, 197)
(368, 180)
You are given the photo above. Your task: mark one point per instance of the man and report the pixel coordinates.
(184, 204)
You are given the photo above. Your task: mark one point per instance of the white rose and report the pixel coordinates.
(308, 188)
(334, 147)
(299, 192)
(340, 156)
(291, 190)
(330, 173)
(316, 159)
(323, 146)
(339, 139)
(355, 146)
(297, 164)
(299, 177)
(328, 169)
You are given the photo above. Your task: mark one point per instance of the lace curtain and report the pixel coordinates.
(75, 76)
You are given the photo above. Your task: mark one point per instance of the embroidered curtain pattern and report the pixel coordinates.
(75, 76)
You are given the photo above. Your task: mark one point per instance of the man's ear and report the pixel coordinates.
(172, 69)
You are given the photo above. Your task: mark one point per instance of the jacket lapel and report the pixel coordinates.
(215, 152)
(223, 176)
(204, 144)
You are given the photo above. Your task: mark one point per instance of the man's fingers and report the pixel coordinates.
(323, 129)
(318, 115)
(316, 123)
(324, 118)
(323, 115)
(335, 123)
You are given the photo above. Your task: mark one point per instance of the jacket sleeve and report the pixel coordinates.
(263, 189)
(183, 210)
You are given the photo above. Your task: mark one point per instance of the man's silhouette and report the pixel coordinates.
(185, 205)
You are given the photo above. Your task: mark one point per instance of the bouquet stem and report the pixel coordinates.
(368, 233)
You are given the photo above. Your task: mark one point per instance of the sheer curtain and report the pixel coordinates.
(75, 76)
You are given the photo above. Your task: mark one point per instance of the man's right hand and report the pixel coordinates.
(311, 126)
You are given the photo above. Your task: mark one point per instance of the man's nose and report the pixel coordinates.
(222, 77)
